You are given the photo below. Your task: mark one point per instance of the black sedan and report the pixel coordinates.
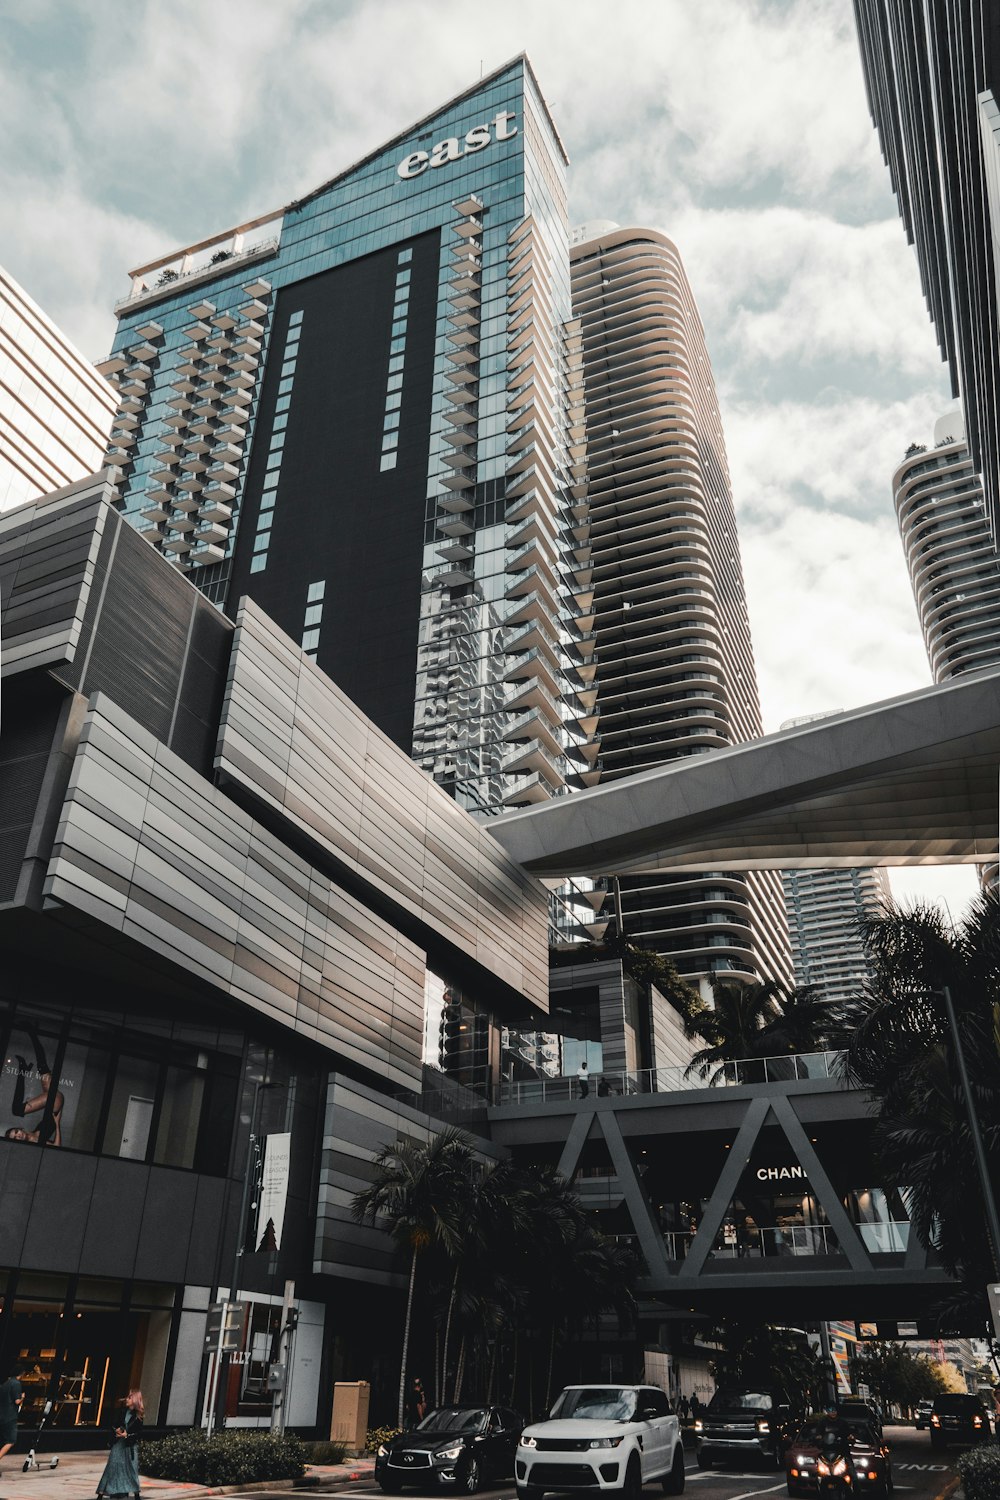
(454, 1447)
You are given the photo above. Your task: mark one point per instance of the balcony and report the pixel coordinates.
(205, 553)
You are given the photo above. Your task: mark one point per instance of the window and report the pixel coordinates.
(314, 613)
(296, 318)
(99, 1087)
(316, 591)
(388, 461)
(258, 564)
(310, 640)
(404, 256)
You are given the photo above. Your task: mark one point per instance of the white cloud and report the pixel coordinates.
(837, 453)
(778, 286)
(832, 614)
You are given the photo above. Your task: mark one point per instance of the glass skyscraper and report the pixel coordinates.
(365, 411)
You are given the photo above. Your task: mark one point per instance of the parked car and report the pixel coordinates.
(861, 1409)
(958, 1419)
(869, 1455)
(604, 1437)
(924, 1409)
(455, 1447)
(746, 1426)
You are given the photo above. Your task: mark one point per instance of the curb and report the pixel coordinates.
(307, 1482)
(950, 1486)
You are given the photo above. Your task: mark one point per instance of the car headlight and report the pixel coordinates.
(381, 1451)
(763, 1427)
(699, 1427)
(611, 1442)
(529, 1442)
(803, 1460)
(453, 1452)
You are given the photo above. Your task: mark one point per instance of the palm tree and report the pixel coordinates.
(754, 1021)
(901, 1050)
(418, 1190)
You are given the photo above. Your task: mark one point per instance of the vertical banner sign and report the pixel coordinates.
(273, 1191)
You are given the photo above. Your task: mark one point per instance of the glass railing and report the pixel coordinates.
(737, 1074)
(780, 1240)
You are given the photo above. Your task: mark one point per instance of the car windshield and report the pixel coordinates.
(741, 1401)
(453, 1419)
(857, 1433)
(595, 1404)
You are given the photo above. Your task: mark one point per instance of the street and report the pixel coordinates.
(919, 1475)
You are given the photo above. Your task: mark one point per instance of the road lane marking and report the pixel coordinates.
(748, 1495)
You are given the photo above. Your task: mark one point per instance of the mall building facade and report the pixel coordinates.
(227, 905)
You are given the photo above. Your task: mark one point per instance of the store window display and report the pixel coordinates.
(81, 1342)
(118, 1086)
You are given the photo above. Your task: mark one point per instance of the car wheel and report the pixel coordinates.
(673, 1483)
(704, 1460)
(632, 1487)
(468, 1481)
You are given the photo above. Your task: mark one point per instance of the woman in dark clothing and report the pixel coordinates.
(121, 1472)
(11, 1396)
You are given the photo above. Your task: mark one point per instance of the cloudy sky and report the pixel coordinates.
(738, 126)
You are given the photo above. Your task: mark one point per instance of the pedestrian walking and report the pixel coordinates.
(683, 1409)
(121, 1472)
(11, 1396)
(417, 1402)
(584, 1080)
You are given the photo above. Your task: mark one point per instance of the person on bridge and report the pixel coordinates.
(583, 1077)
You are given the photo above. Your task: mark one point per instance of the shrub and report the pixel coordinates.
(325, 1452)
(980, 1471)
(377, 1435)
(228, 1458)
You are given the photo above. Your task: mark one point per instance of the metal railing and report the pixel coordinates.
(798, 1065)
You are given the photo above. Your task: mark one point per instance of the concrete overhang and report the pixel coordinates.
(908, 781)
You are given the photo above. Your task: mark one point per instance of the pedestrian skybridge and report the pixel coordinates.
(912, 780)
(760, 1196)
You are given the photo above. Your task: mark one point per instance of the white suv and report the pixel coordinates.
(606, 1437)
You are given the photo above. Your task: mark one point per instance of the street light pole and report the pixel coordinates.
(979, 1150)
(250, 1175)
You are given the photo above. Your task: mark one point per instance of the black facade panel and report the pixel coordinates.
(338, 519)
(167, 1222)
(115, 1201)
(59, 1210)
(18, 1178)
(206, 1237)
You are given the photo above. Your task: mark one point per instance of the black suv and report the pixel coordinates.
(744, 1424)
(958, 1419)
(455, 1447)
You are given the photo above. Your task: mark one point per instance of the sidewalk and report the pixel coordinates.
(77, 1475)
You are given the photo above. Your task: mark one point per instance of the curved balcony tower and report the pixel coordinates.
(674, 661)
(950, 556)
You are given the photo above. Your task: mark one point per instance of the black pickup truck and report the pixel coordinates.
(744, 1426)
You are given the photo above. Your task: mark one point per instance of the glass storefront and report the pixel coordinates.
(119, 1085)
(83, 1343)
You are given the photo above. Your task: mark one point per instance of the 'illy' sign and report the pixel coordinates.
(453, 147)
